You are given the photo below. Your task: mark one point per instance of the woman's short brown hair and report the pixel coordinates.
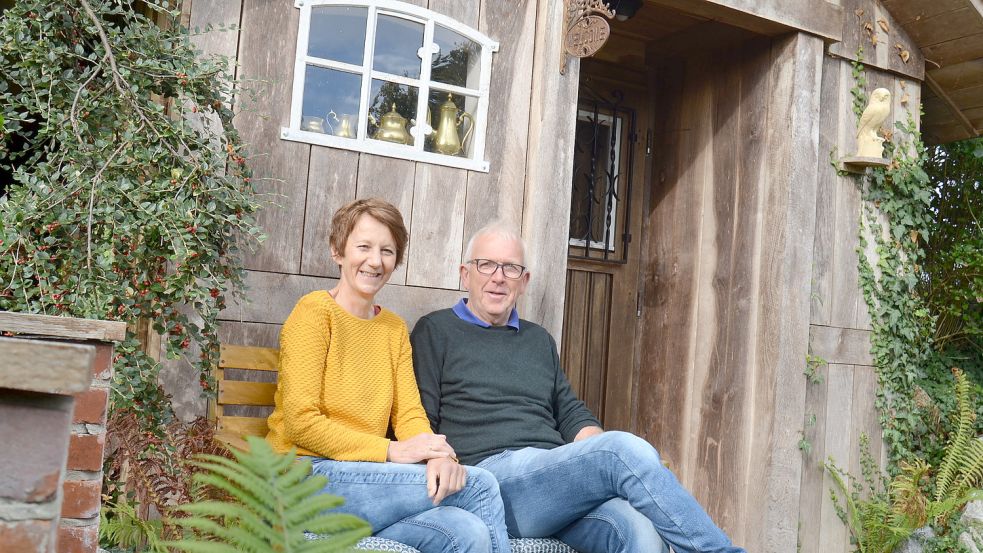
(346, 217)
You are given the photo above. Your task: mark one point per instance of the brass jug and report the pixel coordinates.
(392, 128)
(448, 141)
(346, 125)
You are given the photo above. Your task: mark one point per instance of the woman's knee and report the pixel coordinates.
(483, 481)
(443, 529)
(466, 532)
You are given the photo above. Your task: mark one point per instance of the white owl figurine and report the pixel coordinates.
(869, 143)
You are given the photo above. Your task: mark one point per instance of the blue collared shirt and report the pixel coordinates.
(464, 313)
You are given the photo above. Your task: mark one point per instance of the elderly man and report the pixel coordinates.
(493, 384)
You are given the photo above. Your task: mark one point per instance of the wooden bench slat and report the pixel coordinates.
(237, 392)
(248, 357)
(242, 426)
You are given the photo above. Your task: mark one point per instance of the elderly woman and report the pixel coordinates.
(346, 377)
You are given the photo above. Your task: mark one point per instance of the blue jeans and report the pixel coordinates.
(555, 491)
(392, 497)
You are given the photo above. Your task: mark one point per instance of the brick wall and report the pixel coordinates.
(54, 387)
(34, 434)
(79, 528)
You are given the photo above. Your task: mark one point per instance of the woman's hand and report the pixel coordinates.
(445, 477)
(421, 447)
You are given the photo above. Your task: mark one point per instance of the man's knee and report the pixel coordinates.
(628, 447)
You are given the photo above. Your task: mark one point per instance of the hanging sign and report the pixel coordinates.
(587, 36)
(585, 32)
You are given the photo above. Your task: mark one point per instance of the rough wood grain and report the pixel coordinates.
(546, 209)
(863, 419)
(731, 203)
(330, 185)
(845, 288)
(769, 18)
(498, 193)
(598, 342)
(840, 345)
(45, 366)
(267, 45)
(436, 237)
(673, 263)
(813, 494)
(575, 328)
(885, 54)
(833, 535)
(62, 327)
(785, 265)
(822, 269)
(392, 180)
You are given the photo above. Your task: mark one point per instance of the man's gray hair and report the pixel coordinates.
(500, 229)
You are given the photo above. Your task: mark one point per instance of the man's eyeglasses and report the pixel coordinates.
(488, 267)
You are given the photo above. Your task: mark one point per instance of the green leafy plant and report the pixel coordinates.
(273, 500)
(881, 512)
(129, 195)
(123, 527)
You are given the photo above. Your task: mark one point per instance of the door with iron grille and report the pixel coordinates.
(601, 304)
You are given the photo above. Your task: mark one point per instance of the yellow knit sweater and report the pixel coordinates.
(343, 380)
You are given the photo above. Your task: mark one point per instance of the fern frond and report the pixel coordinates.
(907, 495)
(954, 460)
(273, 500)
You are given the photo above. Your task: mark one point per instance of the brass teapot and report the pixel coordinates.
(448, 141)
(392, 128)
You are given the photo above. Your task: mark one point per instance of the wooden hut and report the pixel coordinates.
(689, 240)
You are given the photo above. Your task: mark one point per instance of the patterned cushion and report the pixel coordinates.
(540, 545)
(525, 545)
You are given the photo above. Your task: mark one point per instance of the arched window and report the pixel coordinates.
(393, 79)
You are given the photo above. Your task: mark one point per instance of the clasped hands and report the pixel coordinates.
(445, 476)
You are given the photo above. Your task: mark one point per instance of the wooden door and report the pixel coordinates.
(602, 302)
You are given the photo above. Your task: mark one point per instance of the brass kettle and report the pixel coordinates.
(448, 141)
(392, 128)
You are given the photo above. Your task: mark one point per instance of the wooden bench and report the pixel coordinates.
(231, 428)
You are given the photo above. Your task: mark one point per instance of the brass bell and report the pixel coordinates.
(448, 141)
(392, 128)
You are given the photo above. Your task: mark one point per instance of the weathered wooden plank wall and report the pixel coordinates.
(841, 401)
(441, 206)
(725, 328)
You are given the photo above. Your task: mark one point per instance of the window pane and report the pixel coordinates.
(385, 98)
(594, 197)
(397, 42)
(456, 61)
(338, 33)
(330, 97)
(452, 119)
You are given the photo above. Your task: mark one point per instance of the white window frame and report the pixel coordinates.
(615, 124)
(361, 143)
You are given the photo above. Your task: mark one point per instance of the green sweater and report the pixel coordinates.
(493, 389)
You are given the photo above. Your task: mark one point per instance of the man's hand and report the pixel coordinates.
(421, 447)
(445, 477)
(587, 432)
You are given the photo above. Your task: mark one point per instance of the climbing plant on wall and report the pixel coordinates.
(121, 202)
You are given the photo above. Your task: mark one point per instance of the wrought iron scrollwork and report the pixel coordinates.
(600, 208)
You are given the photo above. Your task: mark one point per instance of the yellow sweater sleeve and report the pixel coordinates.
(408, 416)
